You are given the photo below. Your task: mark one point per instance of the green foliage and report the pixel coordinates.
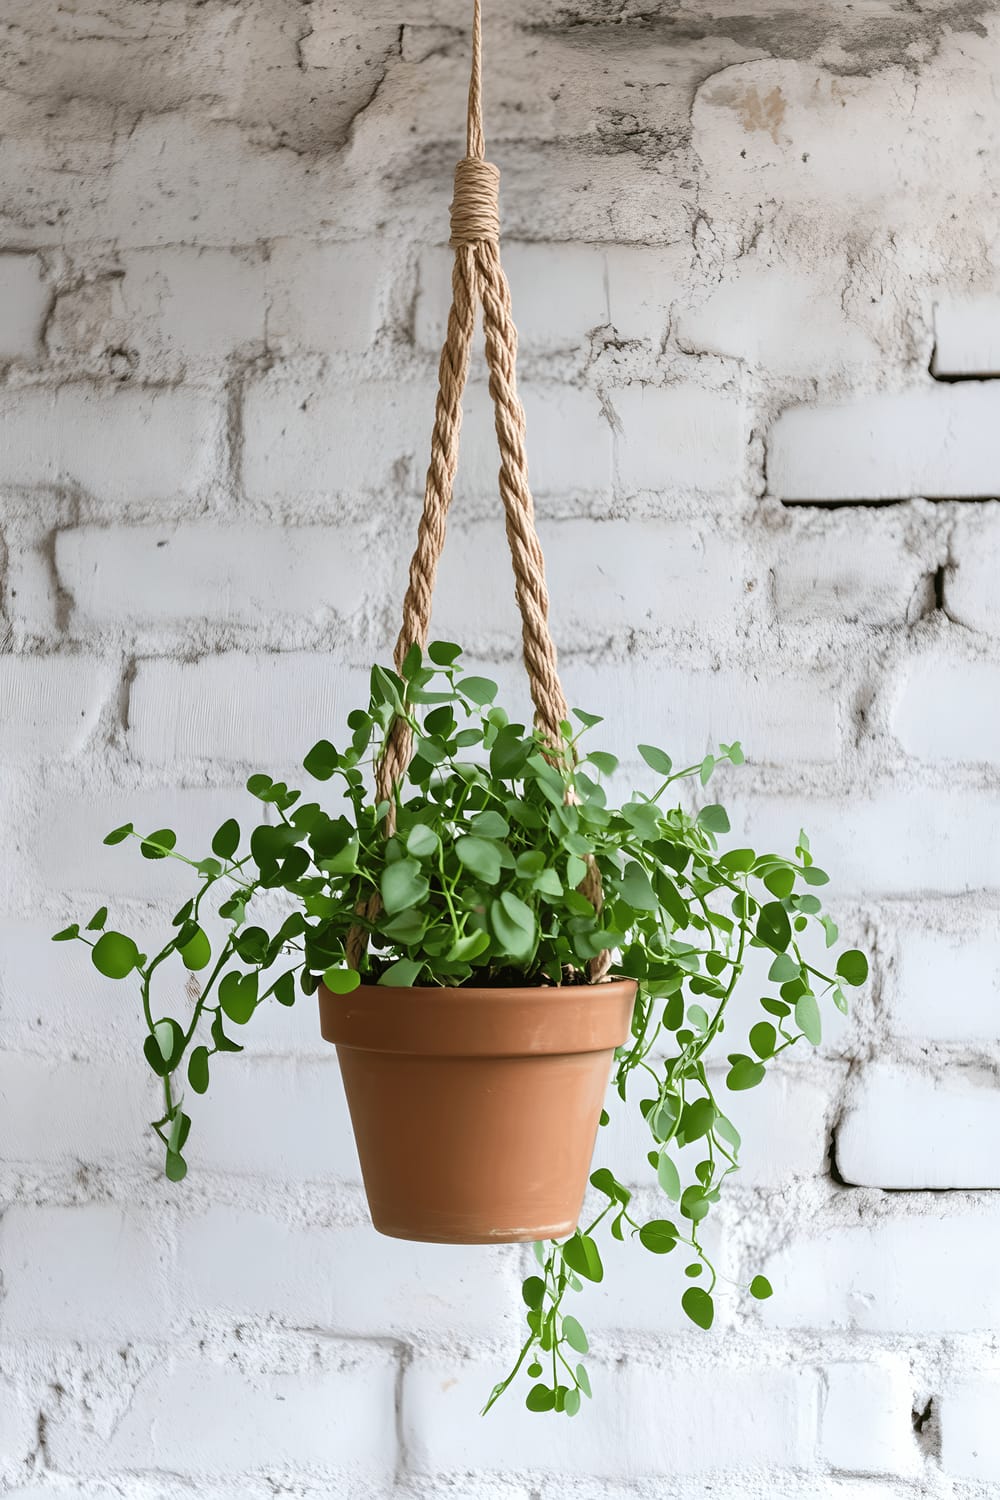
(480, 879)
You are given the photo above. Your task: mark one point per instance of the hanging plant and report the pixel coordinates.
(490, 938)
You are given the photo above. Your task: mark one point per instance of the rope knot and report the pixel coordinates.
(475, 208)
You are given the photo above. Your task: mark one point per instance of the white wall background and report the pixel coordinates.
(754, 257)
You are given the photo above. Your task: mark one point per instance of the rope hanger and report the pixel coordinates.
(478, 278)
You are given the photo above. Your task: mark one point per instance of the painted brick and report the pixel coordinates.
(939, 442)
(906, 1129)
(718, 1418)
(970, 594)
(68, 854)
(860, 572)
(193, 302)
(641, 1293)
(897, 842)
(946, 986)
(865, 1421)
(919, 1274)
(772, 1156)
(305, 440)
(569, 443)
(211, 573)
(51, 703)
(344, 1279)
(757, 315)
(680, 437)
(644, 284)
(325, 298)
(283, 1120)
(52, 989)
(24, 303)
(18, 1425)
(91, 1272)
(967, 335)
(52, 1118)
(559, 294)
(266, 709)
(970, 1442)
(190, 1418)
(604, 578)
(949, 710)
(308, 440)
(125, 445)
(779, 720)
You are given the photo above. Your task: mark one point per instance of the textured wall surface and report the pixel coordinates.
(753, 250)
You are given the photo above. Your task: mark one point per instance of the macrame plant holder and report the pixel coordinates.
(476, 1110)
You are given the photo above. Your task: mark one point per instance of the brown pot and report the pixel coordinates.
(476, 1110)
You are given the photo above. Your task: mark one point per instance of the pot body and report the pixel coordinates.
(476, 1110)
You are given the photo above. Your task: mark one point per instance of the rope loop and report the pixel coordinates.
(478, 280)
(475, 208)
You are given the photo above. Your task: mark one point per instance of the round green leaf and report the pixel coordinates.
(582, 1255)
(574, 1334)
(118, 835)
(227, 839)
(773, 926)
(197, 951)
(852, 967)
(403, 885)
(808, 1019)
(533, 1291)
(159, 844)
(745, 1074)
(659, 1236)
(714, 818)
(422, 842)
(514, 926)
(176, 1167)
(698, 1305)
(761, 1288)
(198, 1069)
(341, 981)
(480, 856)
(697, 1119)
(478, 689)
(443, 653)
(540, 1398)
(114, 955)
(657, 760)
(763, 1038)
(238, 996)
(668, 1177)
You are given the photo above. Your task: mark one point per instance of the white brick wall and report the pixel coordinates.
(946, 985)
(938, 441)
(949, 710)
(865, 1418)
(904, 1129)
(222, 289)
(969, 1446)
(126, 446)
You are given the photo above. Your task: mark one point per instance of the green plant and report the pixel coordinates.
(481, 882)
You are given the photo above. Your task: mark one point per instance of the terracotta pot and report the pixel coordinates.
(476, 1110)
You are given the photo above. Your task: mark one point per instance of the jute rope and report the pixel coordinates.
(478, 278)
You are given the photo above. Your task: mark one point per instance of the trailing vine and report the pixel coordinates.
(480, 883)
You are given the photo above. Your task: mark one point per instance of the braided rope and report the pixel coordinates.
(478, 277)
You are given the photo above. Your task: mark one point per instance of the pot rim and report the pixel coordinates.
(468, 1021)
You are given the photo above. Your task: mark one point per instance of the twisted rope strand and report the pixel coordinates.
(478, 276)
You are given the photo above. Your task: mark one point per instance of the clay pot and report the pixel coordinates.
(476, 1110)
